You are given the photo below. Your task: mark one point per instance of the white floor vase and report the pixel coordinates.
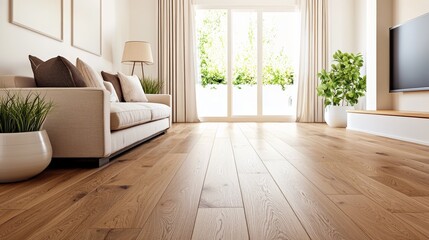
(23, 155)
(336, 116)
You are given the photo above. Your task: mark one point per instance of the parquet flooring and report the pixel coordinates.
(233, 181)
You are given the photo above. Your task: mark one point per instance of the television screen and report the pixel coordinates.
(409, 55)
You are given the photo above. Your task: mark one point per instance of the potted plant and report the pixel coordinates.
(25, 149)
(151, 86)
(341, 87)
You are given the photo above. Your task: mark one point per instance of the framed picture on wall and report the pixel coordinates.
(41, 16)
(86, 25)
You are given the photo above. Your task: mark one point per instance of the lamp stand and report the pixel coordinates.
(134, 65)
(142, 70)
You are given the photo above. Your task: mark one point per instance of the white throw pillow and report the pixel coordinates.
(91, 77)
(113, 96)
(132, 90)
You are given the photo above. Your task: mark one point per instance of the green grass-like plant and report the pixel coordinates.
(151, 86)
(23, 113)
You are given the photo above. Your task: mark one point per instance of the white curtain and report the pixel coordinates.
(176, 56)
(314, 57)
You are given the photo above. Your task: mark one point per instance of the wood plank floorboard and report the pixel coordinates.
(246, 159)
(174, 215)
(232, 181)
(377, 222)
(221, 188)
(43, 192)
(108, 234)
(422, 200)
(403, 185)
(220, 223)
(6, 215)
(420, 221)
(83, 213)
(323, 178)
(269, 215)
(387, 197)
(13, 190)
(319, 216)
(28, 222)
(136, 206)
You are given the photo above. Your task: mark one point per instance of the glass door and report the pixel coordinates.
(248, 61)
(244, 63)
(212, 42)
(280, 46)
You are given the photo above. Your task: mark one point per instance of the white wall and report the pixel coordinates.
(347, 30)
(379, 20)
(360, 18)
(342, 26)
(347, 24)
(371, 55)
(404, 10)
(17, 43)
(143, 20)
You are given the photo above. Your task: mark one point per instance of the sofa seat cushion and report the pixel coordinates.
(125, 115)
(158, 110)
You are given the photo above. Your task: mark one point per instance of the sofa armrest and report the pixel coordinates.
(11, 81)
(160, 98)
(79, 124)
(163, 99)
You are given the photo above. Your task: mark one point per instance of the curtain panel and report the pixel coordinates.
(314, 56)
(177, 58)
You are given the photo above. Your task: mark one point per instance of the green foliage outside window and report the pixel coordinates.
(278, 71)
(211, 42)
(210, 39)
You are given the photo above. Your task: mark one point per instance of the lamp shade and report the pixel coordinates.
(137, 51)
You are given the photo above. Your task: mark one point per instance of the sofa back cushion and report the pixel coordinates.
(114, 80)
(132, 89)
(90, 76)
(56, 72)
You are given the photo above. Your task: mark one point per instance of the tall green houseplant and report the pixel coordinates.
(343, 85)
(23, 113)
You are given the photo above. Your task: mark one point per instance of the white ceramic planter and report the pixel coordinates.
(336, 116)
(23, 155)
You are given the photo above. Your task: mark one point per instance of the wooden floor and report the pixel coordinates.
(233, 181)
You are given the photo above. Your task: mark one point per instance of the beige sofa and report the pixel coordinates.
(85, 126)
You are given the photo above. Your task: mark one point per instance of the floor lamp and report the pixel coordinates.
(137, 52)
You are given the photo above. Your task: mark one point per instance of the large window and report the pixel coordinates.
(247, 63)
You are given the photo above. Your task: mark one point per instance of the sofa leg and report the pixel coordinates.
(78, 162)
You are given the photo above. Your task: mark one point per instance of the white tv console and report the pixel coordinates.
(406, 126)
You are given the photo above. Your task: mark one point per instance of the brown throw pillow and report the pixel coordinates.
(114, 80)
(34, 61)
(56, 72)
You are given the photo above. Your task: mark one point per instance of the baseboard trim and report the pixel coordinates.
(409, 129)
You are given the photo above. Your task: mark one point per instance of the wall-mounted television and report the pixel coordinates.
(409, 55)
